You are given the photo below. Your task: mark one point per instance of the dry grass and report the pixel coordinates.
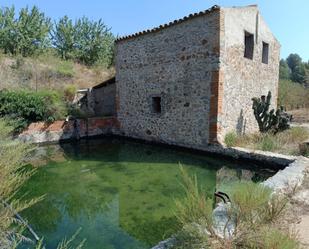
(300, 115)
(48, 72)
(286, 142)
(255, 212)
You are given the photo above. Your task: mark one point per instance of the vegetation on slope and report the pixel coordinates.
(37, 53)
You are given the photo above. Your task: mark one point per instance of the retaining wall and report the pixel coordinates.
(42, 132)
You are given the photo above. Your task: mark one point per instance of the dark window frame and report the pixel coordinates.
(249, 45)
(265, 52)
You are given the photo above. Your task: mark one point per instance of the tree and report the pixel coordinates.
(25, 35)
(86, 41)
(284, 70)
(297, 68)
(299, 74)
(93, 42)
(32, 31)
(63, 37)
(7, 29)
(293, 61)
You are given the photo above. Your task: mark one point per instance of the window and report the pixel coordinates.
(156, 105)
(265, 52)
(249, 45)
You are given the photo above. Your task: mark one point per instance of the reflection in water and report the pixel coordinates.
(120, 193)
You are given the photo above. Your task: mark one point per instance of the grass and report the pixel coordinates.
(286, 142)
(195, 205)
(47, 71)
(254, 210)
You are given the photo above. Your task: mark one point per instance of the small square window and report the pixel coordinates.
(249, 45)
(156, 105)
(265, 52)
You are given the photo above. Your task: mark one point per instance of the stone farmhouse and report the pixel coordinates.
(190, 82)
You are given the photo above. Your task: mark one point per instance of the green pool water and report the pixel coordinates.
(120, 194)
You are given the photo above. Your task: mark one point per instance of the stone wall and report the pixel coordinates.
(104, 100)
(41, 132)
(178, 64)
(244, 78)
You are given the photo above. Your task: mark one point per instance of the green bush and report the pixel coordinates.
(69, 92)
(25, 107)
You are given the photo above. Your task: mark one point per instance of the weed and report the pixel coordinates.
(69, 92)
(230, 139)
(254, 209)
(195, 205)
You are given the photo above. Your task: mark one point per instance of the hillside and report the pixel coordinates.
(48, 72)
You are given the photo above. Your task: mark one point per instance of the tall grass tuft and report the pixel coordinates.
(195, 206)
(13, 174)
(254, 210)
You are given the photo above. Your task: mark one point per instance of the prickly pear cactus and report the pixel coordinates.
(272, 120)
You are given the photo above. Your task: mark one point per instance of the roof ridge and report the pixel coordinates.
(185, 18)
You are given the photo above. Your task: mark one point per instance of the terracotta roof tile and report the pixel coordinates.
(156, 29)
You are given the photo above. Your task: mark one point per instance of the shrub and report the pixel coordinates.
(69, 92)
(27, 107)
(254, 210)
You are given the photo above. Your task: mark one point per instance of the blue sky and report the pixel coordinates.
(288, 19)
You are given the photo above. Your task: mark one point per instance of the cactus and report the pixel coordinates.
(272, 120)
